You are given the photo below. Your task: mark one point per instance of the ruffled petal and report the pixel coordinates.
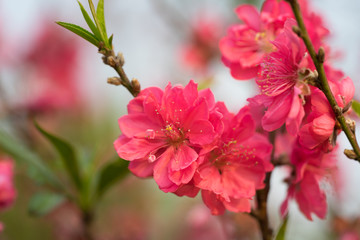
(250, 16)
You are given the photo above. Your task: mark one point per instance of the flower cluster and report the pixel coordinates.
(266, 47)
(188, 142)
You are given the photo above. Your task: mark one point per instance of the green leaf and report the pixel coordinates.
(92, 9)
(67, 154)
(356, 107)
(110, 174)
(282, 231)
(89, 22)
(101, 20)
(44, 202)
(81, 32)
(22, 154)
(110, 40)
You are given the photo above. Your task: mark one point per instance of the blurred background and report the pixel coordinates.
(48, 73)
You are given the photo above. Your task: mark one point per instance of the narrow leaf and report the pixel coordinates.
(22, 154)
(81, 32)
(356, 107)
(92, 9)
(67, 154)
(110, 174)
(89, 22)
(282, 231)
(43, 203)
(110, 40)
(101, 18)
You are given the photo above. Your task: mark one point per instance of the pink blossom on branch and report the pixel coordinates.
(282, 82)
(231, 173)
(164, 132)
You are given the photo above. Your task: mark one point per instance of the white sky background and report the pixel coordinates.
(150, 47)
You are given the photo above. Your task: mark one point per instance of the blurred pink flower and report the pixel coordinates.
(53, 63)
(235, 168)
(164, 132)
(202, 45)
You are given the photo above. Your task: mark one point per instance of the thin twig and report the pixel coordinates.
(117, 63)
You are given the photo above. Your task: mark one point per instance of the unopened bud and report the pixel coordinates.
(135, 85)
(114, 81)
(296, 30)
(111, 61)
(351, 124)
(321, 55)
(350, 154)
(121, 59)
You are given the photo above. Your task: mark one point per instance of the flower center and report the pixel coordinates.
(230, 155)
(174, 134)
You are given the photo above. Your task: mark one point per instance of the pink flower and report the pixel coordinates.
(320, 126)
(53, 63)
(202, 45)
(164, 132)
(280, 70)
(246, 44)
(281, 82)
(311, 166)
(235, 168)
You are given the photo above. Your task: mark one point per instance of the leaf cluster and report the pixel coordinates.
(98, 35)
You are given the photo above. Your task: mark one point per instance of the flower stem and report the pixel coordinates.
(324, 85)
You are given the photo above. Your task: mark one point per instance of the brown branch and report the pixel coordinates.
(261, 213)
(117, 62)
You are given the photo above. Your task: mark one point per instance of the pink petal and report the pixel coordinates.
(209, 178)
(182, 158)
(277, 113)
(141, 168)
(191, 92)
(201, 132)
(137, 125)
(136, 148)
(243, 73)
(188, 190)
(200, 111)
(161, 171)
(310, 198)
(250, 16)
(183, 176)
(347, 90)
(211, 201)
(295, 116)
(323, 126)
(238, 205)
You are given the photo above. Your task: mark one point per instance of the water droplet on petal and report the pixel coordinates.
(152, 158)
(150, 133)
